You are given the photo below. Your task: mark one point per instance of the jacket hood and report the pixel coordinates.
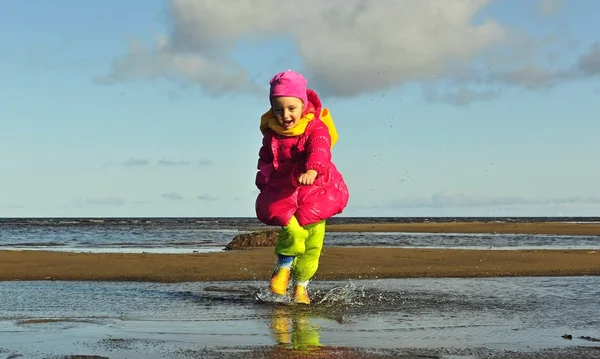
(314, 103)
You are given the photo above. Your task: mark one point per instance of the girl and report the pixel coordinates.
(300, 188)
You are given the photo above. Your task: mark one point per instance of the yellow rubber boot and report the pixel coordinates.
(301, 295)
(280, 280)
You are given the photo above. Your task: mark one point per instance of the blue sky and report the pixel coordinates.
(151, 108)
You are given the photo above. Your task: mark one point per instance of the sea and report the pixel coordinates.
(201, 235)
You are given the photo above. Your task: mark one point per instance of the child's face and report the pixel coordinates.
(288, 111)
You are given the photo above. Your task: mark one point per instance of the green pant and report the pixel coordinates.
(303, 243)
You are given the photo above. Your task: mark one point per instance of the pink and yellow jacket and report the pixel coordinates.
(285, 155)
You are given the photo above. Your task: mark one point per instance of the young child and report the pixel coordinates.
(300, 188)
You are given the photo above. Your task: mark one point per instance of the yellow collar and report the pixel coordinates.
(268, 120)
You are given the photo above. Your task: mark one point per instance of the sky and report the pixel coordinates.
(149, 108)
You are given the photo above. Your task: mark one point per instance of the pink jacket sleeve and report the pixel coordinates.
(318, 149)
(265, 164)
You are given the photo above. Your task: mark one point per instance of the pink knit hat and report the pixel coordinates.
(289, 83)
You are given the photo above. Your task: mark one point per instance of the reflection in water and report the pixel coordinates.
(293, 329)
(294, 326)
(524, 313)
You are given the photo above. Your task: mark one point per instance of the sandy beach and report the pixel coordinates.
(336, 264)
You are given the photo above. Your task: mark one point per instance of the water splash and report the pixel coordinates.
(345, 295)
(264, 295)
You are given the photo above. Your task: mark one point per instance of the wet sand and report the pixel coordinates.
(336, 263)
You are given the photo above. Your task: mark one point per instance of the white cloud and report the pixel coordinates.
(206, 197)
(589, 63)
(104, 201)
(344, 44)
(216, 75)
(550, 7)
(172, 196)
(173, 163)
(139, 162)
(133, 162)
(348, 47)
(371, 45)
(15, 206)
(462, 96)
(532, 76)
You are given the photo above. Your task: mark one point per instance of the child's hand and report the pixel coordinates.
(308, 177)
